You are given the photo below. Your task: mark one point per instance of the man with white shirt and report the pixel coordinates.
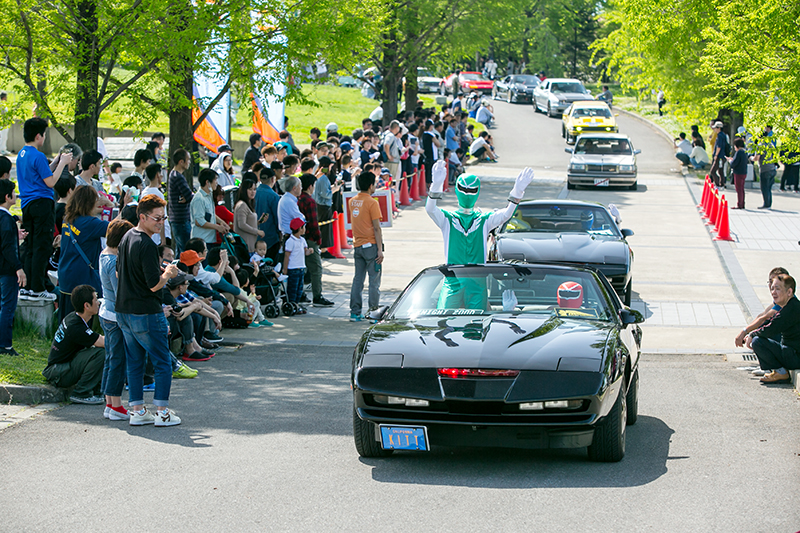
(481, 149)
(683, 147)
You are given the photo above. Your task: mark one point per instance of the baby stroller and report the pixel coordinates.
(273, 292)
(236, 247)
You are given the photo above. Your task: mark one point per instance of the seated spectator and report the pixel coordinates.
(190, 264)
(77, 354)
(247, 283)
(187, 316)
(683, 148)
(773, 355)
(762, 318)
(699, 158)
(481, 149)
(228, 285)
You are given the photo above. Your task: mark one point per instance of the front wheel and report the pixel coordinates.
(364, 436)
(570, 185)
(608, 445)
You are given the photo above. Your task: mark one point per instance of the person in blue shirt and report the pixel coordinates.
(451, 135)
(36, 179)
(81, 234)
(267, 212)
(287, 207)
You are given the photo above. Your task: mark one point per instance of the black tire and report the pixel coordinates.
(563, 132)
(535, 106)
(272, 311)
(364, 437)
(633, 399)
(570, 139)
(570, 186)
(626, 297)
(608, 445)
(635, 186)
(549, 110)
(287, 308)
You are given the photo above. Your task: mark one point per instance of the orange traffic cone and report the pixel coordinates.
(703, 196)
(707, 203)
(403, 186)
(712, 213)
(718, 212)
(343, 244)
(724, 232)
(414, 187)
(336, 249)
(423, 190)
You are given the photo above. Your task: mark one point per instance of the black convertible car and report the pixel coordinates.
(499, 355)
(567, 231)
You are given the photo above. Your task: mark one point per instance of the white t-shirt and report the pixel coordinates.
(699, 155)
(377, 114)
(296, 246)
(477, 144)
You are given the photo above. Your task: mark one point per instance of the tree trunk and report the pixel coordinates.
(87, 73)
(390, 78)
(181, 133)
(411, 90)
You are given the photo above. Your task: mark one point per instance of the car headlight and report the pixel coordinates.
(554, 404)
(609, 128)
(579, 128)
(396, 400)
(577, 166)
(626, 168)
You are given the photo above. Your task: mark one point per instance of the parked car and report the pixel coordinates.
(469, 82)
(587, 116)
(517, 88)
(567, 231)
(602, 160)
(499, 355)
(426, 81)
(554, 95)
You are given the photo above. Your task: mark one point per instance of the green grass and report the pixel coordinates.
(649, 109)
(33, 349)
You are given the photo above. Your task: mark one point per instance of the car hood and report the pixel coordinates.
(477, 83)
(428, 79)
(571, 97)
(504, 341)
(592, 121)
(563, 247)
(606, 159)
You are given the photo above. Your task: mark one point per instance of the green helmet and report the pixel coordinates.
(468, 187)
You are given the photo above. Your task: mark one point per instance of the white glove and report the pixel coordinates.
(438, 176)
(523, 180)
(615, 213)
(509, 300)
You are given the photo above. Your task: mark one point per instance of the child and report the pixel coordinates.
(260, 254)
(115, 180)
(247, 285)
(294, 261)
(10, 266)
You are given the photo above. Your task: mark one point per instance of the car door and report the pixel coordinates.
(538, 92)
(503, 86)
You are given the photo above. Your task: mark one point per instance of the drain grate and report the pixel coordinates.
(749, 357)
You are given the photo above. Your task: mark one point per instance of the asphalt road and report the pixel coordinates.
(267, 443)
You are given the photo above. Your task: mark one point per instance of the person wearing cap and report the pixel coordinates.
(222, 148)
(183, 309)
(294, 261)
(138, 311)
(284, 142)
(332, 127)
(466, 230)
(721, 148)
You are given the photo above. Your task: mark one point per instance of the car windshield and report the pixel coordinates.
(599, 146)
(424, 73)
(582, 112)
(594, 220)
(493, 289)
(526, 80)
(473, 77)
(567, 87)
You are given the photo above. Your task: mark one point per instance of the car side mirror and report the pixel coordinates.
(627, 233)
(568, 150)
(637, 152)
(378, 314)
(630, 316)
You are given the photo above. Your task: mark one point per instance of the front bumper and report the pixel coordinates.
(587, 179)
(574, 131)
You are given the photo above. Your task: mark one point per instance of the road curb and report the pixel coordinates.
(658, 129)
(32, 394)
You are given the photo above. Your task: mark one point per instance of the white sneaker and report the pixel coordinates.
(141, 418)
(25, 294)
(759, 372)
(167, 418)
(105, 412)
(116, 415)
(44, 295)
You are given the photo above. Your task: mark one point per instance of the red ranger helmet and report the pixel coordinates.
(570, 295)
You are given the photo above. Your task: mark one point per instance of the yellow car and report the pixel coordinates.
(587, 116)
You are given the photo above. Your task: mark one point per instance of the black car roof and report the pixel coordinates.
(514, 262)
(574, 203)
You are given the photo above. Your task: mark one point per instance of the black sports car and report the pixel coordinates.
(516, 88)
(500, 355)
(567, 231)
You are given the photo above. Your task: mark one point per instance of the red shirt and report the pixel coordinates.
(308, 207)
(222, 212)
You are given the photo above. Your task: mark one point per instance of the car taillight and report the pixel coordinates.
(476, 373)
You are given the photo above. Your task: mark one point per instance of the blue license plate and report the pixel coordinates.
(404, 438)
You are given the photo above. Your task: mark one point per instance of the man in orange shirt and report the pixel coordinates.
(365, 214)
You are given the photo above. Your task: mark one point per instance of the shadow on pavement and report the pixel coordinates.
(647, 453)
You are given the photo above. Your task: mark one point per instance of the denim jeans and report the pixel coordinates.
(767, 181)
(294, 289)
(115, 365)
(683, 157)
(364, 259)
(181, 232)
(146, 335)
(772, 355)
(699, 165)
(9, 291)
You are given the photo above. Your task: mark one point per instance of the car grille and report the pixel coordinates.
(477, 412)
(601, 168)
(584, 129)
